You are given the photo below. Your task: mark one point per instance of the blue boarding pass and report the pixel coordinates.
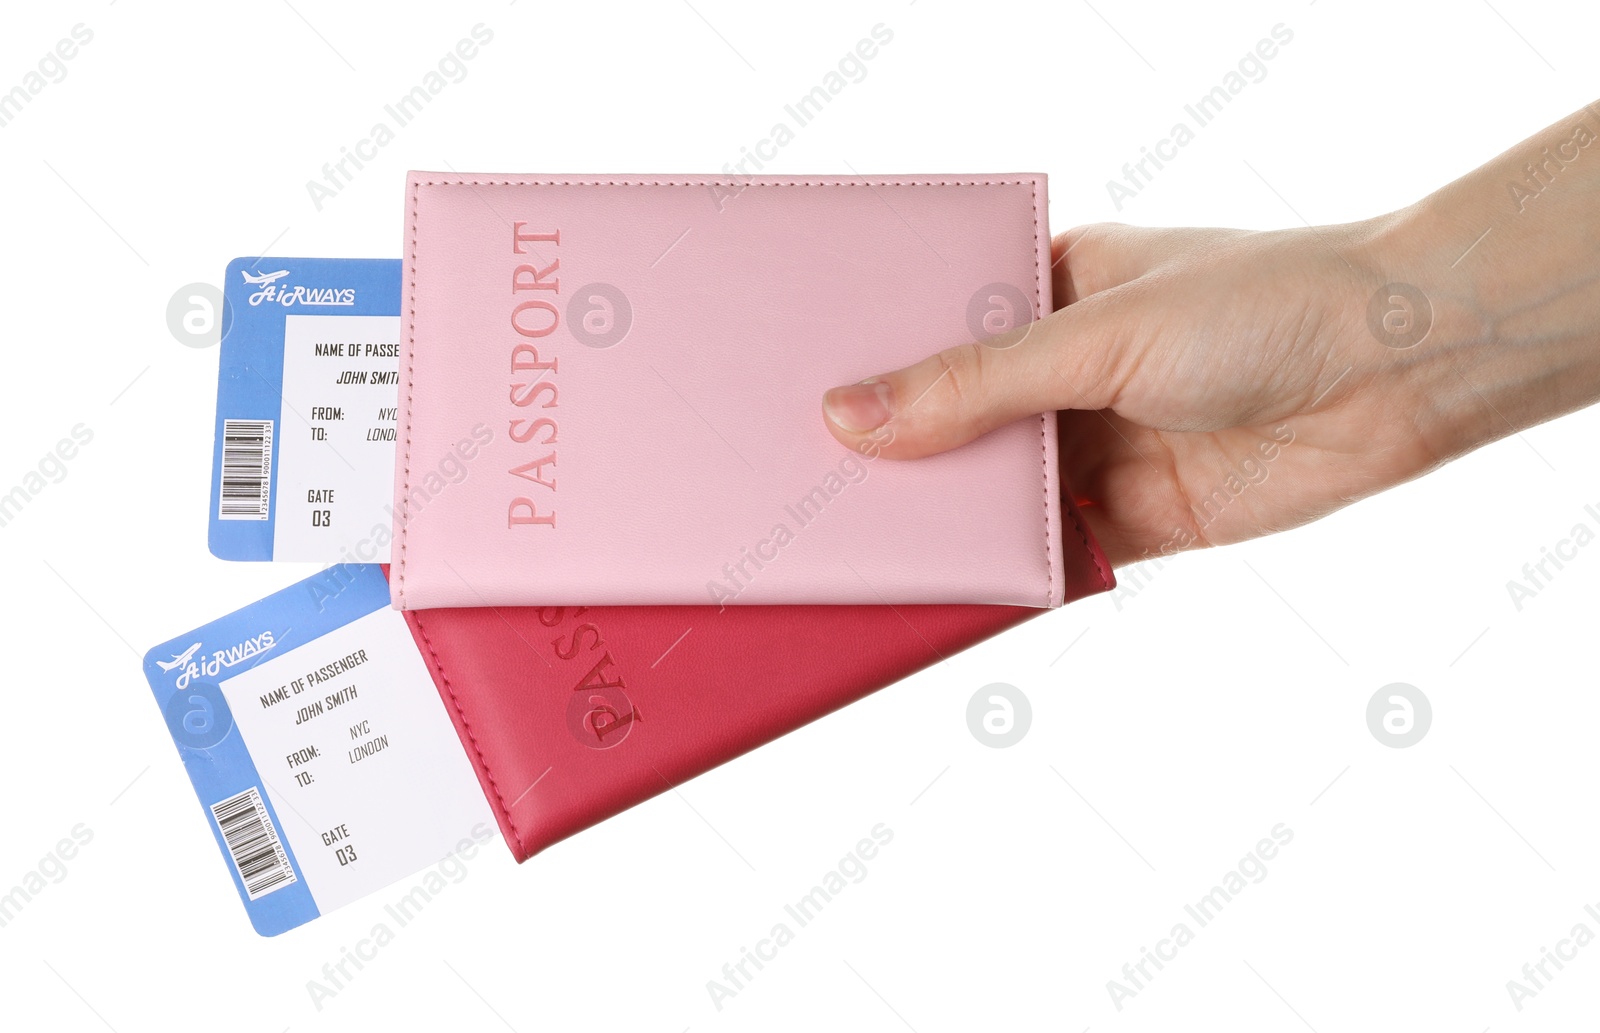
(306, 402)
(322, 755)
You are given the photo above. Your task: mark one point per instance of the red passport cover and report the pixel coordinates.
(573, 714)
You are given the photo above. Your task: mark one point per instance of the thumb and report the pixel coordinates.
(948, 399)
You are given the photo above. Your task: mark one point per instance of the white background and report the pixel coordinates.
(1185, 721)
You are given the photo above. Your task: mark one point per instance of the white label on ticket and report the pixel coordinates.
(359, 759)
(336, 457)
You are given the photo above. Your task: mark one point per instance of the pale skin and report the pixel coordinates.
(1176, 354)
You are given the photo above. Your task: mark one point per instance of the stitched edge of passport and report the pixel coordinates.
(1044, 420)
(1071, 508)
(477, 751)
(1031, 182)
(399, 566)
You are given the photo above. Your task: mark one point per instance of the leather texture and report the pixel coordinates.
(676, 341)
(570, 715)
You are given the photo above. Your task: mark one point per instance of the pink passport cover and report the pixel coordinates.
(646, 358)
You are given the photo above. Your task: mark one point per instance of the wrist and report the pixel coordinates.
(1508, 282)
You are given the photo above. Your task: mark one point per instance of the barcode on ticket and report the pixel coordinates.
(253, 843)
(246, 470)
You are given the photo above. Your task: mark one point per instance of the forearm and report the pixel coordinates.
(1508, 257)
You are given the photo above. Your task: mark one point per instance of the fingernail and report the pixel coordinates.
(858, 408)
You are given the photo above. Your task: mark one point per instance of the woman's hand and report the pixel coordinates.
(1218, 385)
